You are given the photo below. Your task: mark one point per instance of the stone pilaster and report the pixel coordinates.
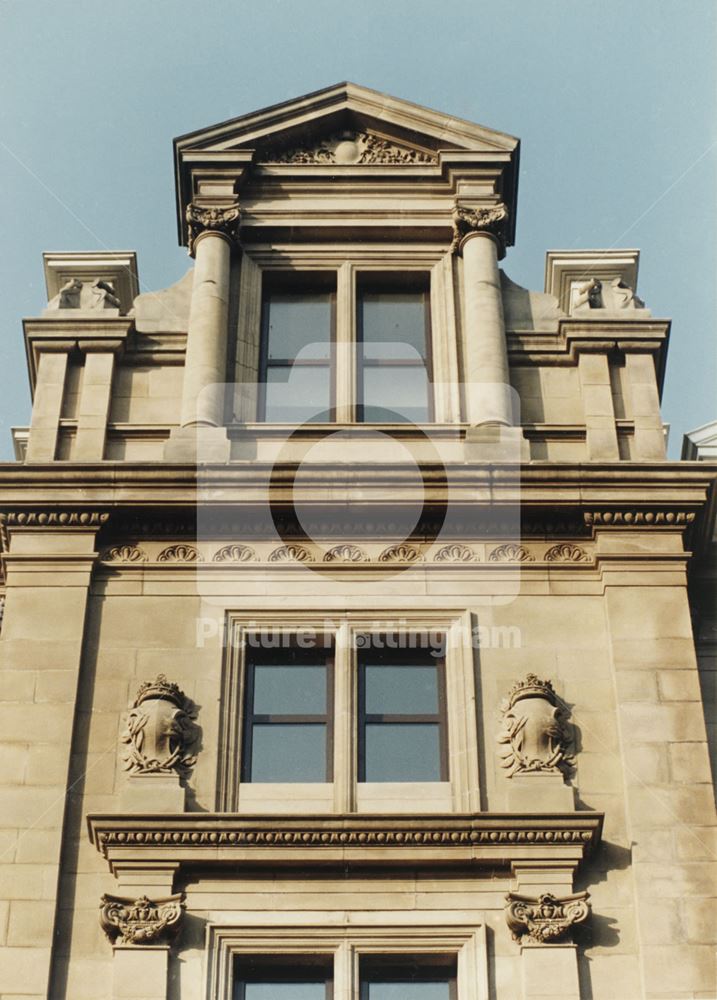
(94, 403)
(649, 436)
(47, 404)
(48, 567)
(601, 430)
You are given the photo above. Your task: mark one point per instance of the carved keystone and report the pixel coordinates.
(535, 733)
(160, 733)
(142, 921)
(546, 919)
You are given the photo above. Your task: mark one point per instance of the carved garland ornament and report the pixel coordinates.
(510, 552)
(290, 553)
(348, 148)
(234, 553)
(402, 553)
(222, 219)
(345, 553)
(546, 919)
(124, 554)
(455, 553)
(535, 736)
(491, 220)
(160, 734)
(180, 553)
(566, 552)
(142, 921)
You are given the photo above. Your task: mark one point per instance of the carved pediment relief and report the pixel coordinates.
(346, 147)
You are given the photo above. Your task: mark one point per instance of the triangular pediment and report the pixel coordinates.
(346, 123)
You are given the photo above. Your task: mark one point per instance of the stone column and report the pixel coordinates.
(212, 235)
(485, 357)
(48, 565)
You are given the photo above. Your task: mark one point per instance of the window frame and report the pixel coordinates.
(439, 718)
(391, 281)
(393, 962)
(288, 282)
(292, 971)
(249, 720)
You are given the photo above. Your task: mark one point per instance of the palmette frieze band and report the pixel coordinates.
(222, 219)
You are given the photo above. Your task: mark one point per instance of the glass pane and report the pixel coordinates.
(394, 393)
(401, 690)
(394, 317)
(298, 394)
(288, 752)
(285, 991)
(408, 990)
(299, 323)
(289, 690)
(402, 752)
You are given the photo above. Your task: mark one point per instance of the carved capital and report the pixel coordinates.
(535, 736)
(490, 220)
(221, 219)
(141, 921)
(160, 734)
(547, 919)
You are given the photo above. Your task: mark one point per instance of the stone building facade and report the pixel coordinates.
(347, 646)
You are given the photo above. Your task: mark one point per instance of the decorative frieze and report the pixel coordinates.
(221, 219)
(141, 921)
(346, 553)
(234, 553)
(492, 219)
(402, 553)
(290, 553)
(566, 552)
(535, 736)
(455, 553)
(639, 517)
(181, 553)
(546, 919)
(124, 554)
(347, 148)
(160, 735)
(511, 552)
(54, 519)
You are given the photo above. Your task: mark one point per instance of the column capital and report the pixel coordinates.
(222, 220)
(489, 221)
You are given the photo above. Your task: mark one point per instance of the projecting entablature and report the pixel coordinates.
(348, 162)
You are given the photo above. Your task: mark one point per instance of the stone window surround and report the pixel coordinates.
(349, 263)
(382, 933)
(345, 795)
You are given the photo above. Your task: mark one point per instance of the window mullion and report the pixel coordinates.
(344, 711)
(344, 345)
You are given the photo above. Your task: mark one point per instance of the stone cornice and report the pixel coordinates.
(482, 838)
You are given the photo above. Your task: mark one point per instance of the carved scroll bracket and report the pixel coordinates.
(141, 921)
(223, 220)
(547, 919)
(160, 735)
(492, 220)
(535, 735)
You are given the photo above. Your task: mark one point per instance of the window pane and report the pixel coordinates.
(297, 394)
(395, 392)
(299, 322)
(284, 991)
(394, 317)
(408, 990)
(288, 752)
(401, 690)
(289, 690)
(402, 752)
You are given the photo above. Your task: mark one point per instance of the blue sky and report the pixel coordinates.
(615, 104)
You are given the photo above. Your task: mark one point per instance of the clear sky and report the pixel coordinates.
(615, 103)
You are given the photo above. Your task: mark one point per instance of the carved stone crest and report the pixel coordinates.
(222, 219)
(141, 921)
(160, 734)
(546, 919)
(535, 736)
(491, 220)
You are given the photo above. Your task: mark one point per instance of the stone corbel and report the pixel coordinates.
(222, 220)
(545, 919)
(491, 220)
(141, 921)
